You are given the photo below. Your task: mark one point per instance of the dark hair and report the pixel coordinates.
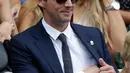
(40, 7)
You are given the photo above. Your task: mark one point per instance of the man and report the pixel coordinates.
(55, 45)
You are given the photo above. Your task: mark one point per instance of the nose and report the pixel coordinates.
(68, 3)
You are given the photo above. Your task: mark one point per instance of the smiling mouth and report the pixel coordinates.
(66, 12)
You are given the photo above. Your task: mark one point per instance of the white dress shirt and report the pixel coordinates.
(81, 58)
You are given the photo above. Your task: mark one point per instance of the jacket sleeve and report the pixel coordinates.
(21, 59)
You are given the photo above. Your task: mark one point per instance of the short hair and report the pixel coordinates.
(40, 7)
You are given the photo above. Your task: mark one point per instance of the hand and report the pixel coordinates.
(5, 31)
(107, 2)
(105, 67)
(92, 69)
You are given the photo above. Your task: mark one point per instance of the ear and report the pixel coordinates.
(41, 3)
(127, 64)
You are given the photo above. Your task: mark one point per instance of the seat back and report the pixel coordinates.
(3, 57)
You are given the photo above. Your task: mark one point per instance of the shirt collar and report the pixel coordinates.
(54, 33)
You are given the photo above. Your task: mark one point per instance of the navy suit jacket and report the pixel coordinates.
(33, 51)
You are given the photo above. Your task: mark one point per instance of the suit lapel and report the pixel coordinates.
(45, 45)
(85, 38)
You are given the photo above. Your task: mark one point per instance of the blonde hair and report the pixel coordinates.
(96, 15)
(32, 5)
(29, 10)
(125, 51)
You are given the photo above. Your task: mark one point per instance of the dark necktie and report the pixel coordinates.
(66, 54)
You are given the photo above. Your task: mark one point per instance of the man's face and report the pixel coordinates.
(56, 12)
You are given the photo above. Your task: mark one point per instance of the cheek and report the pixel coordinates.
(57, 7)
(54, 10)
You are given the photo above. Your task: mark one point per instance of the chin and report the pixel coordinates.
(62, 22)
(67, 19)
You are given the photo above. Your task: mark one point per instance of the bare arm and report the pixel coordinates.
(7, 26)
(126, 16)
(116, 28)
(5, 14)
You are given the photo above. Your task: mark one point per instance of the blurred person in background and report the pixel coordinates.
(95, 13)
(7, 28)
(7, 24)
(26, 13)
(29, 14)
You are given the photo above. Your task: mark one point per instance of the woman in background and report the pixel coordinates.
(29, 14)
(92, 13)
(7, 24)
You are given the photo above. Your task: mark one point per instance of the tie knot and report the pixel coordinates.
(62, 38)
